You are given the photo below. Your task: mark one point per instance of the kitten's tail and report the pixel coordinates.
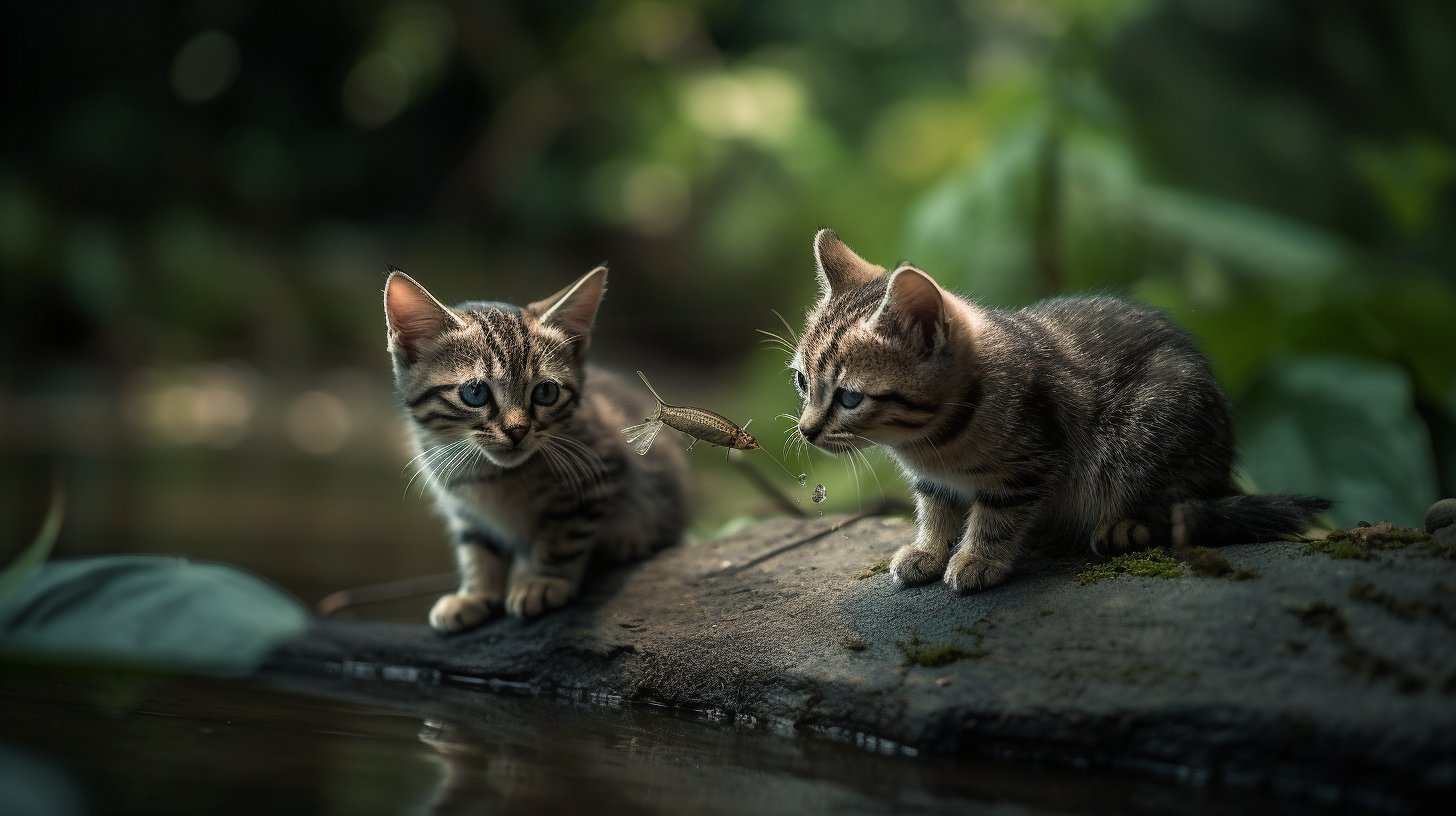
(1243, 519)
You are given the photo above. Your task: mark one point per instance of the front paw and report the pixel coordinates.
(535, 595)
(912, 565)
(456, 613)
(969, 572)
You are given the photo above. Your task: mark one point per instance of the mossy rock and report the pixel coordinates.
(1366, 541)
(1151, 563)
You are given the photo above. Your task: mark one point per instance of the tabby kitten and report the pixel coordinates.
(1083, 418)
(525, 461)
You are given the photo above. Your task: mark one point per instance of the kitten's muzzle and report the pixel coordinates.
(517, 432)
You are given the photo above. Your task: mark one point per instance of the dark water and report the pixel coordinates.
(151, 745)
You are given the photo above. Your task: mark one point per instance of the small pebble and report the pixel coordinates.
(820, 494)
(1441, 514)
(946, 680)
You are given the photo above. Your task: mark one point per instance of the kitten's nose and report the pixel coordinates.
(809, 433)
(515, 423)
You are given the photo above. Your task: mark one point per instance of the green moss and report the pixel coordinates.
(980, 637)
(1045, 613)
(854, 644)
(581, 635)
(873, 569)
(1367, 542)
(1153, 563)
(935, 656)
(1209, 564)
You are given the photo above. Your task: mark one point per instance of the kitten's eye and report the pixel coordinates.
(801, 382)
(850, 399)
(474, 393)
(546, 393)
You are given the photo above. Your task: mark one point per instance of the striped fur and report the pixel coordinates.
(1090, 419)
(530, 488)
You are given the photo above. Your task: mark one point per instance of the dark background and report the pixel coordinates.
(197, 201)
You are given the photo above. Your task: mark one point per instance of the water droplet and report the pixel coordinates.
(820, 494)
(803, 478)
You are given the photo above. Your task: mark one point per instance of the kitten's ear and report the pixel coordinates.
(413, 316)
(839, 269)
(573, 308)
(913, 308)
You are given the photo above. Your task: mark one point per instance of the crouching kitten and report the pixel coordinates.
(1088, 419)
(519, 444)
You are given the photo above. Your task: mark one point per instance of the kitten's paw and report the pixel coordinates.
(912, 565)
(968, 572)
(535, 595)
(1113, 538)
(456, 613)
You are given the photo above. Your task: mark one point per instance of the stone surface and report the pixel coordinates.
(1441, 515)
(1333, 678)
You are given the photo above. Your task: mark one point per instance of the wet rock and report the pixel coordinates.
(1321, 674)
(1441, 516)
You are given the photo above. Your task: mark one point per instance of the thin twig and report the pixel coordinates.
(390, 591)
(769, 489)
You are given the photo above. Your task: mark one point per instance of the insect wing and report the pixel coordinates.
(641, 437)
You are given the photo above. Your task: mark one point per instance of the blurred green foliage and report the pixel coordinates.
(225, 179)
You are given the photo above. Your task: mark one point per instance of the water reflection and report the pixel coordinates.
(144, 744)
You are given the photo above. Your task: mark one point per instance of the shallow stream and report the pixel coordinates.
(160, 745)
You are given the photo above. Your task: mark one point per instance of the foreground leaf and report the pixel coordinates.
(148, 612)
(36, 553)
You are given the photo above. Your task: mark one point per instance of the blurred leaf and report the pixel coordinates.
(1341, 427)
(148, 611)
(31, 785)
(1277, 247)
(973, 230)
(36, 553)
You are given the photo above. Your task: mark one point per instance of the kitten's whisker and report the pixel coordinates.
(869, 467)
(792, 333)
(442, 476)
(431, 457)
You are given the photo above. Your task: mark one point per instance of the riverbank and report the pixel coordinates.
(1332, 679)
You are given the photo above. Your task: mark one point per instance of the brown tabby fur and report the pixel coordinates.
(1089, 419)
(529, 488)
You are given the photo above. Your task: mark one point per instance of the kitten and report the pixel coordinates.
(1087, 418)
(520, 446)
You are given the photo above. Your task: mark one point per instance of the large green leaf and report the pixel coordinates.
(1345, 428)
(35, 554)
(148, 611)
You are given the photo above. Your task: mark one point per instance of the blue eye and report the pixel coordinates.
(801, 382)
(546, 393)
(850, 399)
(475, 393)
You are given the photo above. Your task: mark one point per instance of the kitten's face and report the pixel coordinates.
(866, 366)
(859, 386)
(495, 382)
(498, 377)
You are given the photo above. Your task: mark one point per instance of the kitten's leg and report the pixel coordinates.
(940, 516)
(992, 543)
(548, 577)
(482, 585)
